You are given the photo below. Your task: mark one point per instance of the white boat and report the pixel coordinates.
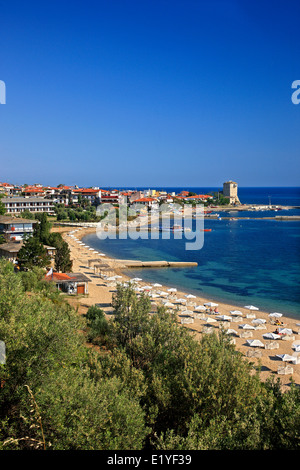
(176, 228)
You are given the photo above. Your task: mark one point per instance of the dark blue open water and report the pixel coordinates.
(241, 262)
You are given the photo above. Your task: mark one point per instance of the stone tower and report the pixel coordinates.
(230, 190)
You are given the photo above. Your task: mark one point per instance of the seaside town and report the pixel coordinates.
(76, 268)
(149, 230)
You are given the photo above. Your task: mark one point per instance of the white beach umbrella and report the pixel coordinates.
(210, 320)
(211, 304)
(180, 301)
(169, 304)
(285, 331)
(173, 289)
(200, 308)
(101, 254)
(286, 357)
(258, 321)
(157, 285)
(162, 293)
(255, 343)
(271, 336)
(190, 296)
(231, 331)
(146, 287)
(224, 317)
(275, 315)
(136, 279)
(296, 347)
(236, 312)
(245, 326)
(187, 312)
(251, 307)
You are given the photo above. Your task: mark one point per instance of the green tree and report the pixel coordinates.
(61, 214)
(54, 391)
(99, 327)
(2, 207)
(33, 253)
(27, 215)
(200, 395)
(42, 229)
(62, 260)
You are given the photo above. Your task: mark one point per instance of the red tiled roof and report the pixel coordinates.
(144, 199)
(200, 196)
(58, 277)
(86, 190)
(33, 190)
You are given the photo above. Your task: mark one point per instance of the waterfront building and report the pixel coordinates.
(70, 283)
(17, 205)
(230, 191)
(14, 228)
(11, 249)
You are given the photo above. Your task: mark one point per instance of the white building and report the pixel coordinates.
(16, 205)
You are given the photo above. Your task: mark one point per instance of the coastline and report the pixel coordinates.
(100, 293)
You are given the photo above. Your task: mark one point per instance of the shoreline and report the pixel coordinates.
(100, 293)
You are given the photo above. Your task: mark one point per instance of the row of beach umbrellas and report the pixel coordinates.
(79, 242)
(207, 305)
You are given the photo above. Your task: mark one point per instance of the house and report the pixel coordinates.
(166, 198)
(17, 205)
(11, 249)
(14, 228)
(93, 195)
(33, 191)
(149, 202)
(199, 197)
(70, 283)
(6, 188)
(112, 197)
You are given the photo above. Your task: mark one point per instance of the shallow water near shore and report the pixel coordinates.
(242, 262)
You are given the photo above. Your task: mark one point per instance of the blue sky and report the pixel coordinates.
(150, 93)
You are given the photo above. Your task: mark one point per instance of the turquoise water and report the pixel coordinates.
(241, 262)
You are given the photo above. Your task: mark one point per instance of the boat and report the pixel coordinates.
(206, 230)
(175, 228)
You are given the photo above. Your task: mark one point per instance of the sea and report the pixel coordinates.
(242, 262)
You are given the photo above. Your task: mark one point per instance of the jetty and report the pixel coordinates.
(129, 263)
(124, 264)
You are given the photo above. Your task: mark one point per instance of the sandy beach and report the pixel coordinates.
(101, 291)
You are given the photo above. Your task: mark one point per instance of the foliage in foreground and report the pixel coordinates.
(146, 384)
